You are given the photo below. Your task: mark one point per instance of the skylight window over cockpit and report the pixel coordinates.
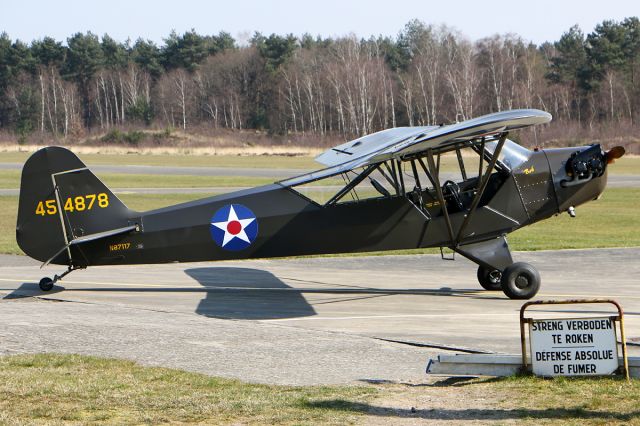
(512, 154)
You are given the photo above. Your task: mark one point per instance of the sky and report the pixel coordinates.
(536, 21)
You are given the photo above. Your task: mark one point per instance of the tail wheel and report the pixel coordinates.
(46, 284)
(520, 281)
(489, 279)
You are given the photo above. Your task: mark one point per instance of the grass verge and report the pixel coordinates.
(50, 388)
(526, 400)
(572, 401)
(61, 389)
(627, 165)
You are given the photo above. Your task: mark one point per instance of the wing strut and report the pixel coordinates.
(426, 171)
(366, 172)
(395, 177)
(433, 175)
(481, 153)
(438, 188)
(481, 187)
(463, 171)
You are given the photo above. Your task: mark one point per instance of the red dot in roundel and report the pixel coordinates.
(234, 227)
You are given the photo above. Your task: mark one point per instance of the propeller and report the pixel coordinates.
(614, 153)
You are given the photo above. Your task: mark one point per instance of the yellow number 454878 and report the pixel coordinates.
(78, 204)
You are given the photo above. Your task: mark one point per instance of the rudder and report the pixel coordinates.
(60, 200)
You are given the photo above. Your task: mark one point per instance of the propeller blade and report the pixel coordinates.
(614, 153)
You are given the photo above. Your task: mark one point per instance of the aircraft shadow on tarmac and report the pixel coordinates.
(31, 290)
(245, 293)
(255, 294)
(231, 293)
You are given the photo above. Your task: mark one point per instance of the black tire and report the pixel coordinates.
(520, 281)
(46, 284)
(489, 279)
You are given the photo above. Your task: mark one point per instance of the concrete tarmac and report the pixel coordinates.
(299, 321)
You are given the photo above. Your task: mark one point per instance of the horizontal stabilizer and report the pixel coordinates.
(91, 237)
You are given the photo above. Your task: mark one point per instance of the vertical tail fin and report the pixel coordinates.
(60, 200)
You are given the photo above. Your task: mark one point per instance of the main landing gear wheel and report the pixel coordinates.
(520, 281)
(46, 284)
(489, 279)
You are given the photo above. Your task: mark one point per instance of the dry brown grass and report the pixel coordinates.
(289, 151)
(204, 140)
(196, 140)
(74, 389)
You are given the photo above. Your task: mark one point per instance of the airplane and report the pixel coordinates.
(462, 186)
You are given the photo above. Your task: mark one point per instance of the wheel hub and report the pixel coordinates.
(522, 281)
(495, 276)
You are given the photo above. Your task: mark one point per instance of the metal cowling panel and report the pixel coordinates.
(533, 179)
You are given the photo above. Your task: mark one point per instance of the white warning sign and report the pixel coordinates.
(573, 347)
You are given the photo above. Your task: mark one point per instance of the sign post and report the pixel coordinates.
(573, 346)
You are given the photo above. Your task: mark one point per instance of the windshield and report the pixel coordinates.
(512, 154)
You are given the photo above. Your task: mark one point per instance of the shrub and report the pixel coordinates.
(116, 136)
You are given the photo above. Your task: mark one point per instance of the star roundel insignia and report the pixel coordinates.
(234, 227)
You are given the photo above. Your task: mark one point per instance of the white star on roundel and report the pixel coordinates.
(233, 227)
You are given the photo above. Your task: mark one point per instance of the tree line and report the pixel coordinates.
(347, 86)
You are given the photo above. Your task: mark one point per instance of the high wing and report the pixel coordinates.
(401, 142)
(404, 141)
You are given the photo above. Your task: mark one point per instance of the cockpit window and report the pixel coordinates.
(512, 154)
(458, 172)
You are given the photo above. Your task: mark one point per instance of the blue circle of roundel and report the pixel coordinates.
(234, 227)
